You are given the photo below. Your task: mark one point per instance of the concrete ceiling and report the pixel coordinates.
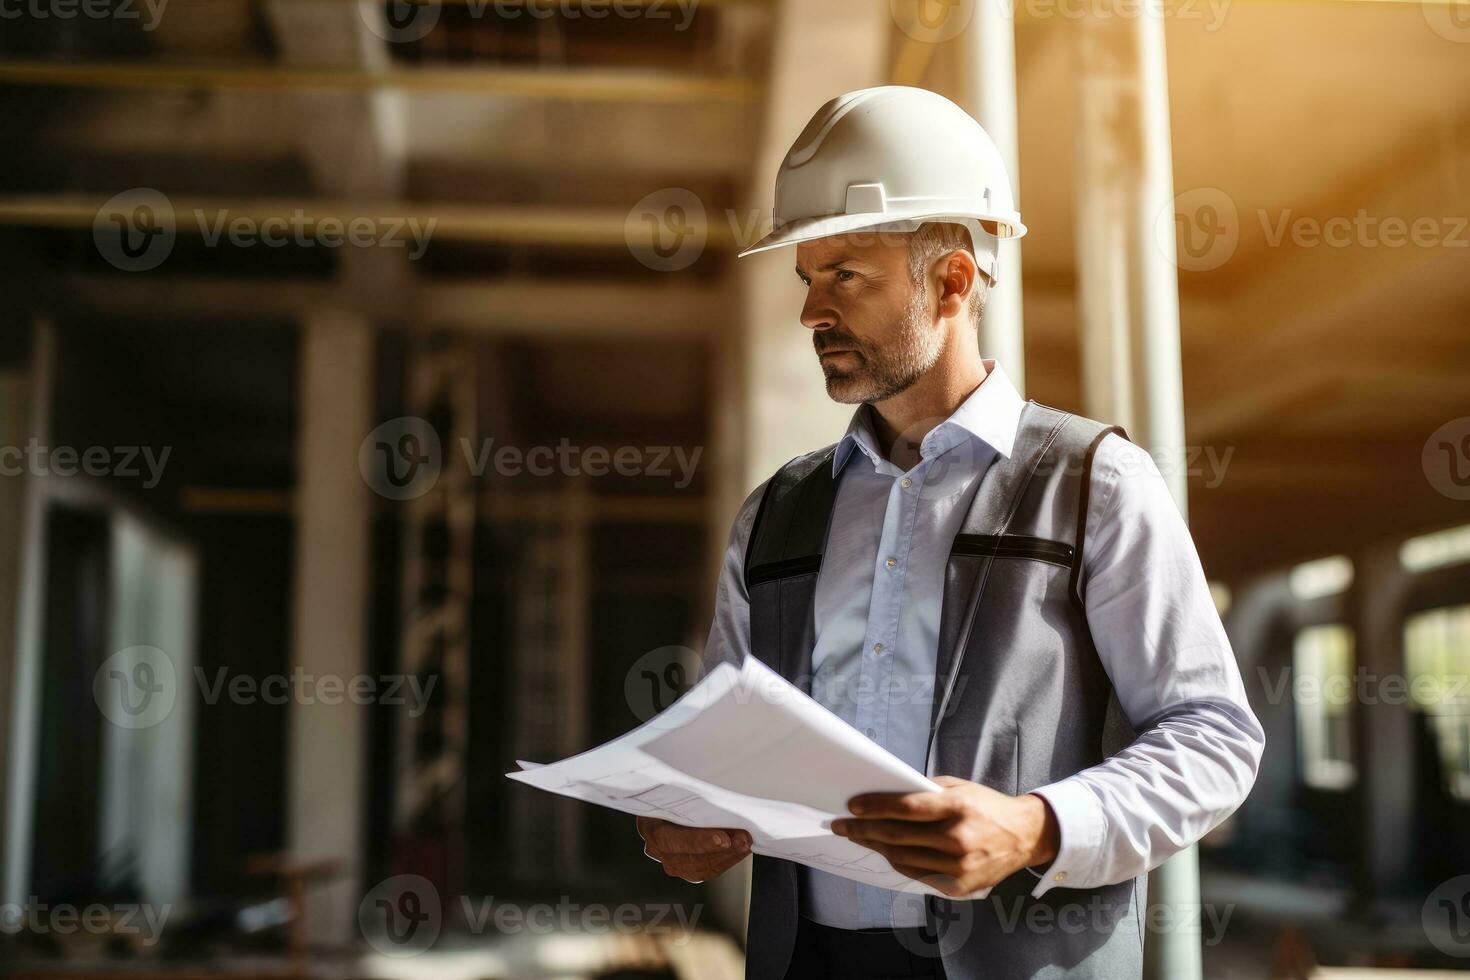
(1321, 369)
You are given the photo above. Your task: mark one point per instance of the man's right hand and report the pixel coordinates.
(692, 853)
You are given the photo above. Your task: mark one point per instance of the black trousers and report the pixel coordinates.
(866, 954)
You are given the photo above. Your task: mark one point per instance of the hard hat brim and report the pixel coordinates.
(811, 229)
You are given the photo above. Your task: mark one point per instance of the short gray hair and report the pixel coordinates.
(938, 238)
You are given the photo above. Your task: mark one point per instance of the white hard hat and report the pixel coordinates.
(891, 159)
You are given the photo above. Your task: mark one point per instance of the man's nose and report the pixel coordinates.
(816, 314)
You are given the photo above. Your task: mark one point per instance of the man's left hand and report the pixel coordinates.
(963, 839)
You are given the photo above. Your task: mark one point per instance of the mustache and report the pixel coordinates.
(832, 339)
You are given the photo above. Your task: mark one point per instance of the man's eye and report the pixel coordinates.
(846, 275)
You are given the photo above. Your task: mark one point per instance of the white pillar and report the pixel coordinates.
(1385, 736)
(822, 49)
(778, 404)
(1129, 302)
(27, 416)
(327, 741)
(988, 80)
(12, 534)
(1127, 274)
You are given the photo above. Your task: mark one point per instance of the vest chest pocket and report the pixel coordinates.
(1014, 546)
(770, 571)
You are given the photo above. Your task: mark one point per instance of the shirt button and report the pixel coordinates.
(872, 734)
(1061, 876)
(877, 648)
(906, 483)
(891, 562)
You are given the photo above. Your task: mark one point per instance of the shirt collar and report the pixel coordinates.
(992, 414)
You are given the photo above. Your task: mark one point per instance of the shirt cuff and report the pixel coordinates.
(1083, 826)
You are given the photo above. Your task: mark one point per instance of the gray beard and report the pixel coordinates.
(881, 374)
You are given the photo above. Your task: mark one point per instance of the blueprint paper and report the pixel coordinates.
(745, 749)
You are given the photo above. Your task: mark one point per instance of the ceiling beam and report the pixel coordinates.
(507, 224)
(579, 84)
(544, 310)
(550, 7)
(1044, 12)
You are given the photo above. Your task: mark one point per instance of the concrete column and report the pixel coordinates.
(988, 80)
(1386, 743)
(1127, 275)
(778, 404)
(327, 742)
(26, 415)
(12, 534)
(146, 777)
(1129, 302)
(822, 49)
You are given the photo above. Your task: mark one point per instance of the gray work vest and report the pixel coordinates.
(1021, 697)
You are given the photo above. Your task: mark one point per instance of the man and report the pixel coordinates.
(1003, 595)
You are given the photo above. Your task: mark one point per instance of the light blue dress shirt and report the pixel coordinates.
(877, 610)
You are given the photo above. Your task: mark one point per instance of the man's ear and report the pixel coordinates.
(958, 280)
